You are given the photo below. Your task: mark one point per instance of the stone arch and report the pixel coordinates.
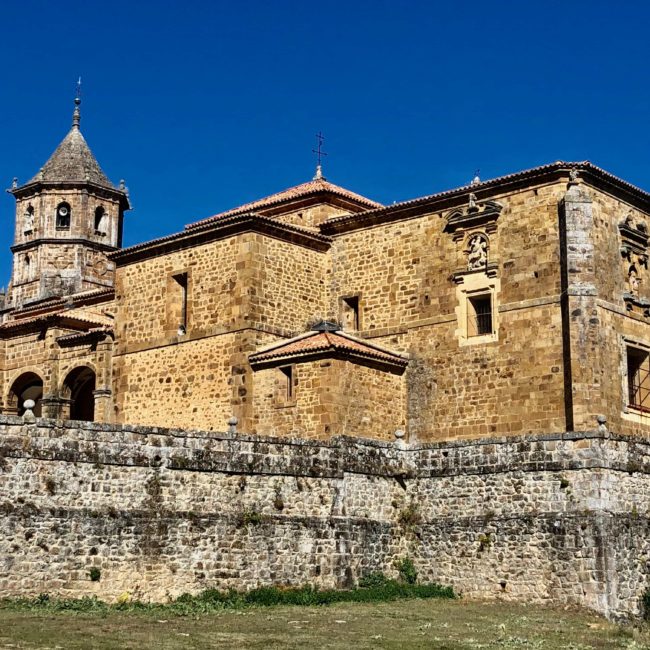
(79, 387)
(63, 215)
(28, 385)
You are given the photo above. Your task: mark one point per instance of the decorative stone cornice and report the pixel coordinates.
(482, 215)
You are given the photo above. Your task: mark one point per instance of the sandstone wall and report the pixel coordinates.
(556, 518)
(402, 272)
(329, 397)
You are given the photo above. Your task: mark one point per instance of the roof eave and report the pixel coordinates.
(590, 174)
(221, 229)
(34, 186)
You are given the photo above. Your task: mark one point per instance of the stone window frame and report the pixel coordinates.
(344, 302)
(473, 285)
(57, 223)
(286, 385)
(629, 411)
(175, 328)
(100, 219)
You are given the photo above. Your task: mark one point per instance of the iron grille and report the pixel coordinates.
(638, 376)
(480, 316)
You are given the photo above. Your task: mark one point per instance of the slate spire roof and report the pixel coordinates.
(73, 161)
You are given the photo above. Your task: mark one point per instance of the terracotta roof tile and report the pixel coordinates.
(305, 189)
(330, 226)
(64, 319)
(319, 342)
(78, 337)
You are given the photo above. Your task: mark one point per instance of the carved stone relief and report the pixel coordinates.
(634, 256)
(477, 252)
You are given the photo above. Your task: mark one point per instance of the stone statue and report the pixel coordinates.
(634, 281)
(573, 176)
(472, 201)
(28, 220)
(477, 253)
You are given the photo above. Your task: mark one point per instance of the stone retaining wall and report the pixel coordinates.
(559, 518)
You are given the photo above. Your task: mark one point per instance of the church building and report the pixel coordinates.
(509, 306)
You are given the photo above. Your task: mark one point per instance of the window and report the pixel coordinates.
(287, 373)
(63, 216)
(350, 313)
(638, 379)
(28, 224)
(479, 315)
(181, 282)
(100, 221)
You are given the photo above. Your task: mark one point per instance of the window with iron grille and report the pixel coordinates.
(479, 315)
(638, 379)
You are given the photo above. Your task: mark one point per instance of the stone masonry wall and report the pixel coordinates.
(402, 274)
(560, 518)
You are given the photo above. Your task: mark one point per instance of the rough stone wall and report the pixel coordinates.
(288, 284)
(600, 319)
(309, 216)
(401, 272)
(556, 518)
(188, 382)
(330, 397)
(60, 269)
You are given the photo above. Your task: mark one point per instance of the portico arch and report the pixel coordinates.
(29, 385)
(79, 388)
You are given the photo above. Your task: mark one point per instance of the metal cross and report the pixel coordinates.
(319, 152)
(79, 88)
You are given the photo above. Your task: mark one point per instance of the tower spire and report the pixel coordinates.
(76, 115)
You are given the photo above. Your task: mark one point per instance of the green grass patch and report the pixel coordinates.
(378, 589)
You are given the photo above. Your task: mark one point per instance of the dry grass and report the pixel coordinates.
(412, 624)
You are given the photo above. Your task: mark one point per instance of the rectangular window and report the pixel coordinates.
(181, 282)
(638, 379)
(287, 373)
(479, 315)
(350, 313)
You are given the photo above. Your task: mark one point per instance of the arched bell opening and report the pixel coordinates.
(79, 388)
(28, 386)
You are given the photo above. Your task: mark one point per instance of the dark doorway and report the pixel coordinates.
(79, 386)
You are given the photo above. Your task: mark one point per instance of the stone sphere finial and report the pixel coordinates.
(28, 415)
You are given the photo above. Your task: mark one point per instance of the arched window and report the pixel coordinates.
(63, 215)
(28, 219)
(78, 387)
(28, 386)
(100, 221)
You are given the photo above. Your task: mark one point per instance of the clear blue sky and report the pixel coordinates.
(202, 106)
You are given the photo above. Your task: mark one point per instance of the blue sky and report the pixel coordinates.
(202, 106)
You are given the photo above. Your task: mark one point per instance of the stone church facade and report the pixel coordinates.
(512, 306)
(461, 379)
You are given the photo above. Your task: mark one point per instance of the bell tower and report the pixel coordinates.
(68, 218)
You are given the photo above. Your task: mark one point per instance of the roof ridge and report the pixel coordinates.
(291, 193)
(585, 165)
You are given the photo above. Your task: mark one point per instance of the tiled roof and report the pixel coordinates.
(75, 299)
(333, 224)
(326, 342)
(219, 228)
(80, 337)
(65, 319)
(317, 186)
(73, 161)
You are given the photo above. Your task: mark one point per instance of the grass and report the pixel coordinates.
(442, 624)
(376, 588)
